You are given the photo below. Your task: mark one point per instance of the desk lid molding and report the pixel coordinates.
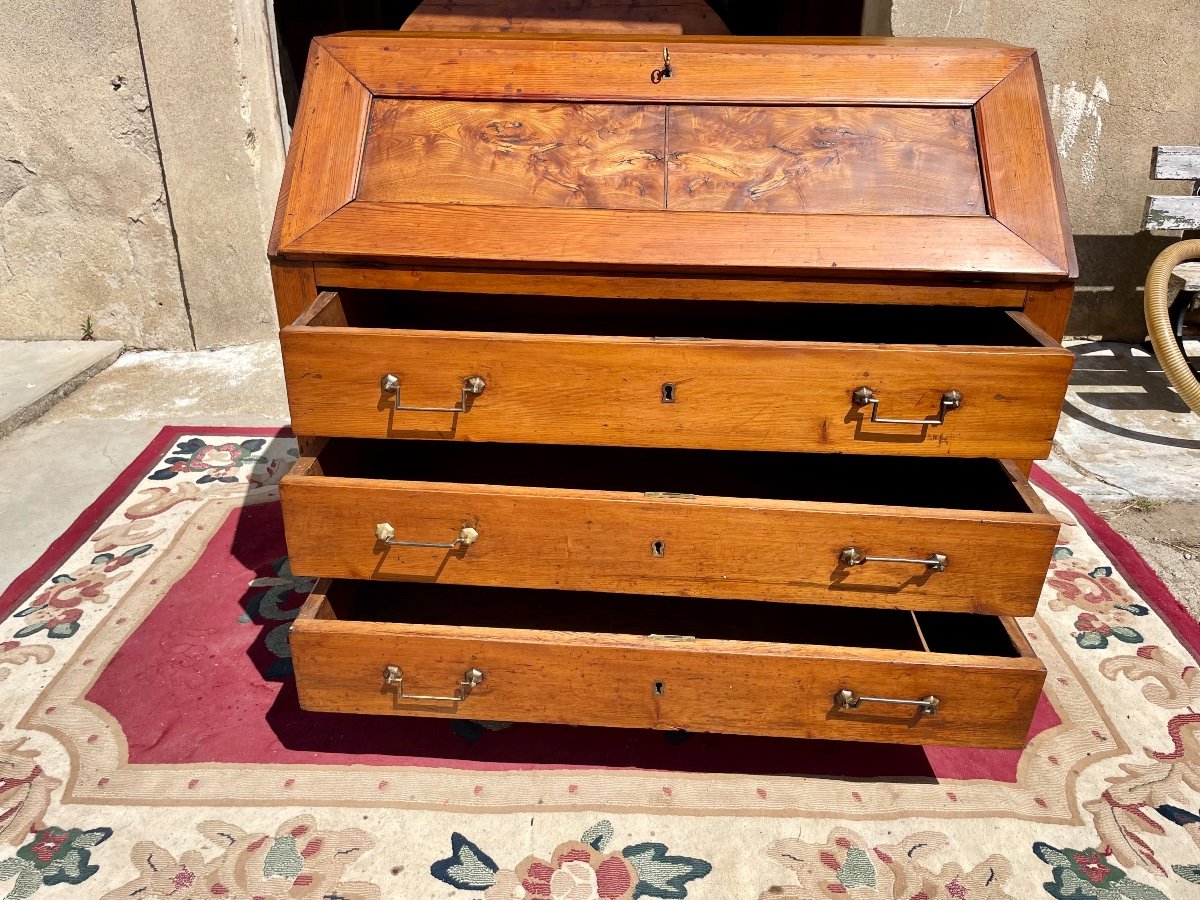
(831, 156)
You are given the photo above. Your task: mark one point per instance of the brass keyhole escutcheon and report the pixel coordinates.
(658, 549)
(668, 392)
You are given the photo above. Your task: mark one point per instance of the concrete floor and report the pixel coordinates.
(1130, 447)
(52, 469)
(1126, 443)
(35, 375)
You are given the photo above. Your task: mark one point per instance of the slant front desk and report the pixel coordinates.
(673, 383)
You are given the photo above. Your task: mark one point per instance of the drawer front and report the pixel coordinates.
(718, 394)
(633, 682)
(704, 547)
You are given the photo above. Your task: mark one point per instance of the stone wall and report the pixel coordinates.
(149, 220)
(1120, 79)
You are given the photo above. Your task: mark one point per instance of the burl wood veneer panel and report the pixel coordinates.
(514, 154)
(864, 160)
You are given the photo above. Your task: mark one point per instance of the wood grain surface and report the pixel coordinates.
(761, 549)
(1020, 164)
(665, 240)
(641, 682)
(295, 288)
(323, 161)
(858, 160)
(902, 197)
(1174, 213)
(556, 167)
(682, 286)
(1049, 306)
(567, 16)
(1175, 163)
(731, 394)
(617, 68)
(514, 154)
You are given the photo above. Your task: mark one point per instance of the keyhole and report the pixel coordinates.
(658, 688)
(668, 392)
(658, 549)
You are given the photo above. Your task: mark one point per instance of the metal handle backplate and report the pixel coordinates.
(852, 556)
(847, 699)
(393, 678)
(385, 533)
(950, 400)
(472, 385)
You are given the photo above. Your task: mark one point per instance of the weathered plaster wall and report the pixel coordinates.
(152, 220)
(84, 228)
(1119, 79)
(212, 81)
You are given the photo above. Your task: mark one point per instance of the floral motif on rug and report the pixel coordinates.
(573, 869)
(152, 746)
(297, 860)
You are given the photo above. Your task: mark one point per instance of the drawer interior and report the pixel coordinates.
(731, 320)
(922, 482)
(631, 614)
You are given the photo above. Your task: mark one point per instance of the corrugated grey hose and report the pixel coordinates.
(1162, 335)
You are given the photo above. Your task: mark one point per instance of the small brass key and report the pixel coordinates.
(665, 72)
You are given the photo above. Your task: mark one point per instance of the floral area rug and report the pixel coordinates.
(151, 745)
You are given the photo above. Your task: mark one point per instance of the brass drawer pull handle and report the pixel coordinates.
(852, 556)
(473, 385)
(393, 677)
(387, 534)
(950, 400)
(846, 699)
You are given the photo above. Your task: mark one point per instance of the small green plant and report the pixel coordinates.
(86, 328)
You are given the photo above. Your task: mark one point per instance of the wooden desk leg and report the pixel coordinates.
(295, 289)
(1025, 465)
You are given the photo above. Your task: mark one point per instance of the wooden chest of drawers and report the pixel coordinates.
(673, 387)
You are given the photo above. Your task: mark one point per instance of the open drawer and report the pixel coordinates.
(965, 535)
(928, 381)
(648, 662)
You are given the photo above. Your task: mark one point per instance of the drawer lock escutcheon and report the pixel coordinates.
(852, 556)
(472, 386)
(864, 396)
(846, 699)
(393, 679)
(386, 534)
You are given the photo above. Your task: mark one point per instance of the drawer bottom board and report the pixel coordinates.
(666, 663)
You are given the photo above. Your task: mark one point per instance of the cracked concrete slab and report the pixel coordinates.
(244, 382)
(34, 375)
